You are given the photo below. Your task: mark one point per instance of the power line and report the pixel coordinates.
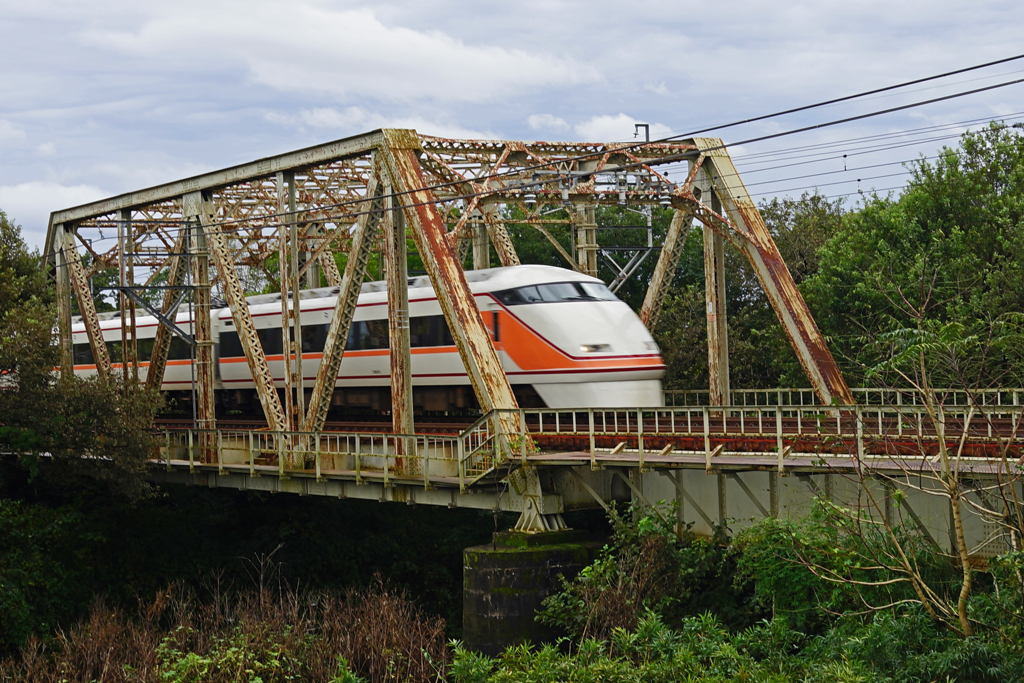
(664, 160)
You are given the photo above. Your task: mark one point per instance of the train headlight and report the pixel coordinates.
(595, 348)
(651, 346)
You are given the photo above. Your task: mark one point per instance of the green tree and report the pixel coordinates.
(60, 425)
(950, 249)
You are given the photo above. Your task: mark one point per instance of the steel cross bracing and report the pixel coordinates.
(277, 224)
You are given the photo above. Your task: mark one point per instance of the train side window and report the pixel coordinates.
(314, 337)
(444, 335)
(270, 340)
(495, 326)
(114, 351)
(179, 350)
(230, 345)
(368, 334)
(83, 354)
(144, 347)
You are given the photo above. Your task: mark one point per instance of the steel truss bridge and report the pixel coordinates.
(277, 223)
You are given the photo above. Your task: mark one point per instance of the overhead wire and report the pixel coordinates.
(665, 160)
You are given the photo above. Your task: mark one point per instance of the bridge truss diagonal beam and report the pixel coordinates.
(450, 286)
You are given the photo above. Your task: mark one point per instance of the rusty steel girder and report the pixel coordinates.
(661, 279)
(86, 305)
(745, 229)
(400, 348)
(451, 194)
(363, 240)
(453, 294)
(242, 320)
(162, 340)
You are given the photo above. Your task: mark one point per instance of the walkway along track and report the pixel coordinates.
(797, 439)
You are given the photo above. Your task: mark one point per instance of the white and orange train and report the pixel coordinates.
(563, 338)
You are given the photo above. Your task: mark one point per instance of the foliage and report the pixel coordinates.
(270, 633)
(648, 566)
(950, 249)
(94, 427)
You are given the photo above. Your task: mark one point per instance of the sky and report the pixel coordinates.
(110, 96)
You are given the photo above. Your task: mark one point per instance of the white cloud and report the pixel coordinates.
(9, 132)
(358, 120)
(547, 122)
(305, 47)
(30, 204)
(47, 149)
(658, 89)
(605, 128)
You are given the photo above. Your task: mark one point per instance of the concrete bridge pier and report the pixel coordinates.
(505, 582)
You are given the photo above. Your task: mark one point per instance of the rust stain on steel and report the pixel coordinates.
(202, 333)
(718, 332)
(485, 372)
(748, 232)
(500, 238)
(661, 279)
(251, 346)
(345, 306)
(162, 341)
(395, 253)
(64, 294)
(86, 306)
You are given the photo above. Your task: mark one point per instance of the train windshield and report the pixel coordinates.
(559, 291)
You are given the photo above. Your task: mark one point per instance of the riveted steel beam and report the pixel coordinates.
(481, 245)
(500, 238)
(717, 323)
(242, 320)
(485, 372)
(746, 230)
(363, 239)
(395, 253)
(586, 239)
(62, 274)
(162, 340)
(86, 305)
(199, 256)
(286, 204)
(661, 279)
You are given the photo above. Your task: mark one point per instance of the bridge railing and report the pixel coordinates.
(365, 456)
(865, 431)
(864, 396)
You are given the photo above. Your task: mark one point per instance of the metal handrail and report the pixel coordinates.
(797, 396)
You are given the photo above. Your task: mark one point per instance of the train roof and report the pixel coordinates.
(482, 280)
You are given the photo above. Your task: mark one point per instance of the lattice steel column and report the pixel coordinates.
(206, 416)
(63, 277)
(242, 319)
(481, 246)
(395, 250)
(586, 239)
(345, 307)
(86, 305)
(164, 335)
(661, 280)
(715, 300)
